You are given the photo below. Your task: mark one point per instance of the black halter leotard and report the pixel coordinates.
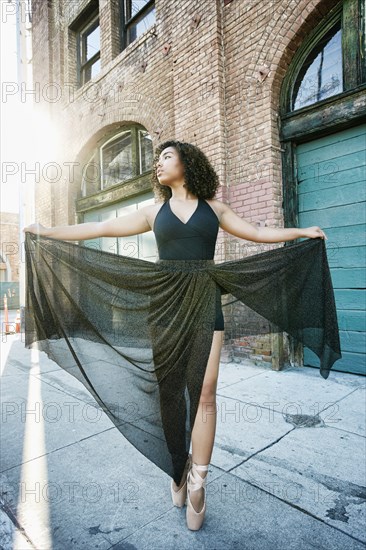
(193, 240)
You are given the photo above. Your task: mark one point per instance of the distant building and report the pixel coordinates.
(20, 11)
(9, 259)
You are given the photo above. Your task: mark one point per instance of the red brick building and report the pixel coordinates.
(273, 92)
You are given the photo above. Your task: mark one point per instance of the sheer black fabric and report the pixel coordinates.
(138, 333)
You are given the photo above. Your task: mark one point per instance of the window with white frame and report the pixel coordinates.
(88, 49)
(141, 245)
(136, 17)
(321, 75)
(333, 59)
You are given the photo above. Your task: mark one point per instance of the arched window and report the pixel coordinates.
(122, 157)
(330, 62)
(321, 74)
(116, 181)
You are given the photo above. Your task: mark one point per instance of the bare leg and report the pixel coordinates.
(203, 433)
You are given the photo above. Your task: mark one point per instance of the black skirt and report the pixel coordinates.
(138, 334)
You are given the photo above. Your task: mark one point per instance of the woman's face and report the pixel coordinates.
(169, 167)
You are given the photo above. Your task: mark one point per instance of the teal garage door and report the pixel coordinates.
(331, 178)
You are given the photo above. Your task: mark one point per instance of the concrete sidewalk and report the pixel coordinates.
(287, 470)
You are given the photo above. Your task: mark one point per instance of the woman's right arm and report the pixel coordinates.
(123, 226)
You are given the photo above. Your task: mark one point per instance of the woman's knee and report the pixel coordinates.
(209, 385)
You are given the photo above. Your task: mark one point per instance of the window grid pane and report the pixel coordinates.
(89, 51)
(135, 6)
(321, 76)
(117, 165)
(114, 162)
(91, 70)
(91, 178)
(139, 27)
(90, 41)
(145, 151)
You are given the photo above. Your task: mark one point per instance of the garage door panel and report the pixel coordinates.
(352, 320)
(353, 349)
(352, 277)
(344, 236)
(353, 256)
(350, 299)
(331, 191)
(332, 154)
(327, 198)
(349, 214)
(334, 144)
(328, 174)
(353, 341)
(350, 362)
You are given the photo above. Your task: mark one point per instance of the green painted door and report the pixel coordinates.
(331, 177)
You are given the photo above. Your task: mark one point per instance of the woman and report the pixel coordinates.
(185, 222)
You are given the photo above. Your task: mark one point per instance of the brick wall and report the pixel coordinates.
(217, 86)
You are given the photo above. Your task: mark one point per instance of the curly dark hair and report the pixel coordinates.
(199, 174)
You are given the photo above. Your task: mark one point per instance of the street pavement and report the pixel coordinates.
(287, 469)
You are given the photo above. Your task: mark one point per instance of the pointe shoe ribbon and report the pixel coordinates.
(195, 482)
(179, 497)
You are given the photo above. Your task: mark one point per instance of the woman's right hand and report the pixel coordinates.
(36, 228)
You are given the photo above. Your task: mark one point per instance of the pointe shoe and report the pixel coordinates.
(195, 482)
(179, 497)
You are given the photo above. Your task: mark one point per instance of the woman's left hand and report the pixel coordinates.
(314, 232)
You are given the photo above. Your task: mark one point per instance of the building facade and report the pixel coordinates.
(9, 261)
(273, 92)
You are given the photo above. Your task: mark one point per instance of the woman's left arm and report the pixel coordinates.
(239, 227)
